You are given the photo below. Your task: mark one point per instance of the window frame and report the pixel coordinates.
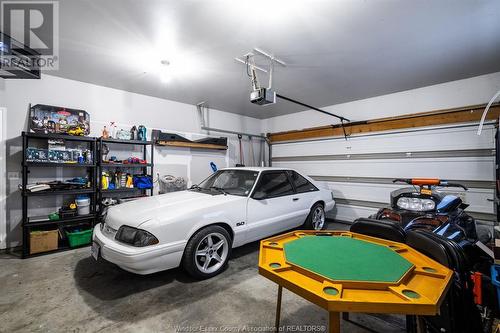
(259, 181)
(228, 169)
(290, 172)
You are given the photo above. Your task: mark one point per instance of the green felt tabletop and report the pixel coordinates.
(345, 258)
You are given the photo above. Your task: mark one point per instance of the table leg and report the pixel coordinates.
(420, 325)
(334, 322)
(278, 308)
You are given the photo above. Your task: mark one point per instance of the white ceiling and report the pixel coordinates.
(338, 51)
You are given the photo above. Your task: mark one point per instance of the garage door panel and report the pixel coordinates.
(443, 139)
(350, 213)
(448, 168)
(453, 153)
(476, 198)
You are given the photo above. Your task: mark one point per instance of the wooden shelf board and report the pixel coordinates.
(191, 145)
(415, 120)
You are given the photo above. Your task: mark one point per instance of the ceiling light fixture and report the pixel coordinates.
(164, 71)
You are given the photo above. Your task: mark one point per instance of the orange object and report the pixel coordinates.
(425, 191)
(425, 181)
(477, 279)
(105, 133)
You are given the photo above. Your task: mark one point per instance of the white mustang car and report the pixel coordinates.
(198, 228)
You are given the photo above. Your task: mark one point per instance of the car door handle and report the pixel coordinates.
(295, 199)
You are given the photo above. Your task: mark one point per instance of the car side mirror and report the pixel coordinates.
(259, 196)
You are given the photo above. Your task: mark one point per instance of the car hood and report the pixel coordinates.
(164, 207)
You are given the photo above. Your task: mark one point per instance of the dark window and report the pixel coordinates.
(301, 184)
(273, 184)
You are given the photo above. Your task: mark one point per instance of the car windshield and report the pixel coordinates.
(235, 182)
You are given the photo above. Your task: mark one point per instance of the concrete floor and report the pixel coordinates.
(70, 292)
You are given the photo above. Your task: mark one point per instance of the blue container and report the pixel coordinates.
(495, 279)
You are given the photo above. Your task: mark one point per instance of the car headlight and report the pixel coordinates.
(416, 204)
(135, 237)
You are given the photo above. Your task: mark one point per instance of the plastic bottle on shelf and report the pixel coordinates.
(133, 133)
(105, 132)
(142, 133)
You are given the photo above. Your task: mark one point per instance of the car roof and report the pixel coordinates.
(257, 169)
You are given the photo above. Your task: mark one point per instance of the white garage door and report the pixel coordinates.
(360, 170)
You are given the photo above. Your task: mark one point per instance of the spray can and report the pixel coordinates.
(141, 135)
(133, 133)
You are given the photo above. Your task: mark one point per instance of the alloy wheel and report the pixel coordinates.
(211, 253)
(318, 218)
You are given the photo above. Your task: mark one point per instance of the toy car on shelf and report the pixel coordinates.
(76, 131)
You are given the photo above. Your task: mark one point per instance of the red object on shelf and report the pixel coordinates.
(477, 278)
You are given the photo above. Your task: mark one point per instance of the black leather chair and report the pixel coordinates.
(458, 313)
(385, 229)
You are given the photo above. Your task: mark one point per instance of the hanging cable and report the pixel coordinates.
(262, 154)
(483, 118)
(311, 107)
(242, 157)
(252, 154)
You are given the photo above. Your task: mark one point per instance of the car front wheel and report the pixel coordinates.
(316, 220)
(207, 252)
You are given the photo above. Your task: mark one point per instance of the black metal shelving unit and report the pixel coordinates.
(146, 169)
(56, 192)
(30, 223)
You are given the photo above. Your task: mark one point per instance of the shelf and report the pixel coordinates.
(126, 142)
(124, 165)
(65, 165)
(110, 193)
(132, 168)
(58, 192)
(59, 136)
(67, 220)
(43, 222)
(191, 145)
(60, 249)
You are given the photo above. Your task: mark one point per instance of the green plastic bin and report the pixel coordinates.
(79, 238)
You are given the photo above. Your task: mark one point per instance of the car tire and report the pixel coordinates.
(316, 220)
(212, 244)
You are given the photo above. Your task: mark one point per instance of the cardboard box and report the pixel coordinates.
(44, 241)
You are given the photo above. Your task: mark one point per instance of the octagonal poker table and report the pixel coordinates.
(346, 272)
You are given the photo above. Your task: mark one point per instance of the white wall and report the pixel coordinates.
(472, 91)
(126, 109)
